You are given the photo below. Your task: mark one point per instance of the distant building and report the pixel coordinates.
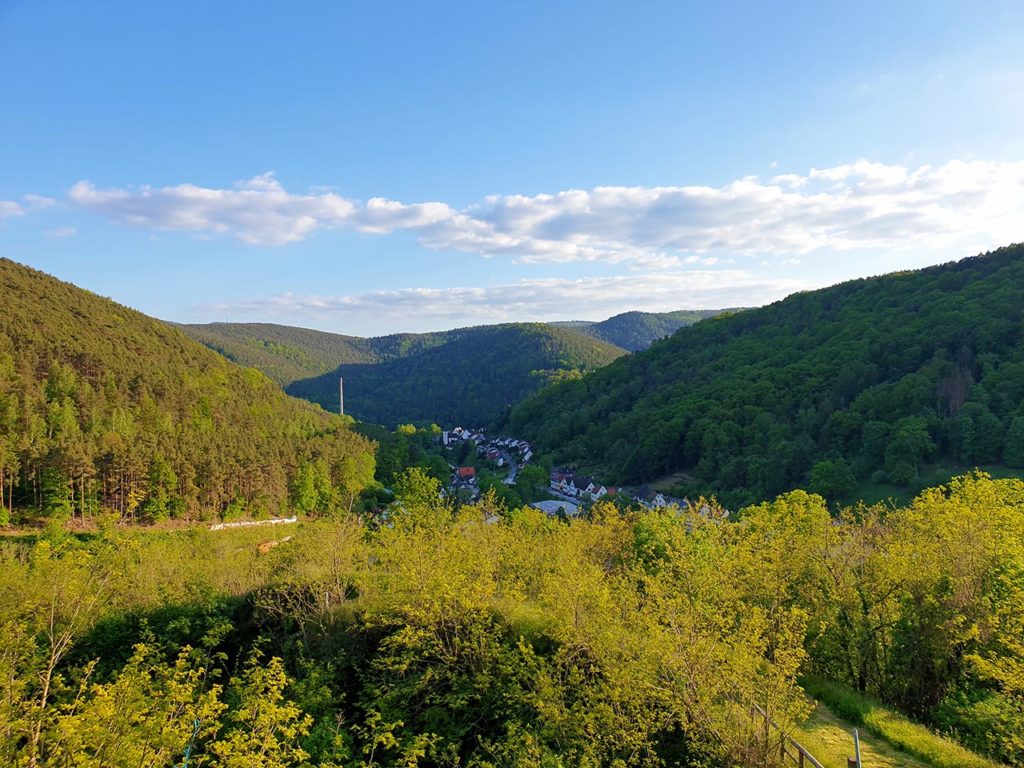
(465, 473)
(580, 485)
(552, 508)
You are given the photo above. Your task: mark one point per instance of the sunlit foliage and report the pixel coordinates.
(484, 636)
(870, 380)
(105, 410)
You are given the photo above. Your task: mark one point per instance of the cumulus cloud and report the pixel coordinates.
(9, 209)
(853, 206)
(540, 299)
(30, 203)
(257, 211)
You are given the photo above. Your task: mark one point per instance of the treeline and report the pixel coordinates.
(103, 409)
(283, 353)
(471, 377)
(634, 331)
(288, 354)
(871, 379)
(627, 639)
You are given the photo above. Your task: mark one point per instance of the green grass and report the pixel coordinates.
(830, 739)
(871, 492)
(668, 483)
(917, 741)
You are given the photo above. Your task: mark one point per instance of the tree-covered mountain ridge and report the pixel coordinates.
(870, 378)
(290, 353)
(469, 375)
(636, 330)
(104, 408)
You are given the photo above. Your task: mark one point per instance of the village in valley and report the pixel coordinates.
(569, 492)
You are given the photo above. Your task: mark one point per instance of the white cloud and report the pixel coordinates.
(258, 211)
(860, 205)
(9, 209)
(543, 299)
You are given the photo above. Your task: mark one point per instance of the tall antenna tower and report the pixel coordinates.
(341, 395)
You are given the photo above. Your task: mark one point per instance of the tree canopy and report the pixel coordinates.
(468, 376)
(483, 636)
(883, 374)
(103, 408)
(634, 331)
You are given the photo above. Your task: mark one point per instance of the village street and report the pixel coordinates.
(512, 454)
(513, 467)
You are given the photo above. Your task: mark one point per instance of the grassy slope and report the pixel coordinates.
(872, 492)
(896, 739)
(830, 740)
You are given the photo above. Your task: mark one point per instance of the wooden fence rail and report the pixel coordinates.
(789, 749)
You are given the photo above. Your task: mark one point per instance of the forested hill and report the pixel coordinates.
(103, 408)
(634, 331)
(469, 376)
(284, 353)
(870, 378)
(287, 354)
(465, 374)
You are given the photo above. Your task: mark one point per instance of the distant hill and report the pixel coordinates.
(469, 376)
(291, 356)
(634, 331)
(102, 407)
(288, 354)
(870, 379)
(282, 352)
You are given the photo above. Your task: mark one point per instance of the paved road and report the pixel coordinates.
(512, 468)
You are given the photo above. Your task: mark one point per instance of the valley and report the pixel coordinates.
(459, 376)
(176, 448)
(512, 385)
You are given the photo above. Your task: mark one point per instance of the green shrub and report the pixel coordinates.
(985, 719)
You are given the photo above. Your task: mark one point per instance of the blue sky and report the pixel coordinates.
(374, 167)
